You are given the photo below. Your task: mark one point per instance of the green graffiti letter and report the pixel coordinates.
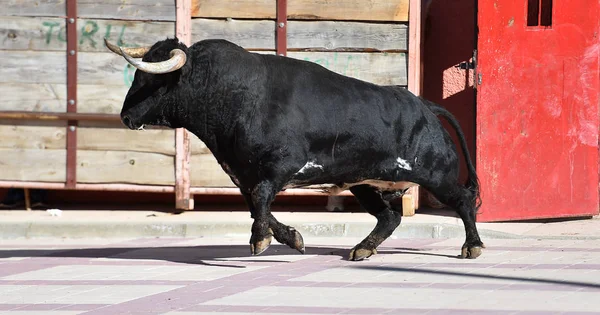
(128, 74)
(51, 25)
(90, 28)
(107, 34)
(120, 40)
(62, 33)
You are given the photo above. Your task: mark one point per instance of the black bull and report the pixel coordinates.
(274, 122)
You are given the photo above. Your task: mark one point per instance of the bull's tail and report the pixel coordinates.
(472, 180)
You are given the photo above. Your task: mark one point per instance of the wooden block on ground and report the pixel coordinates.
(408, 205)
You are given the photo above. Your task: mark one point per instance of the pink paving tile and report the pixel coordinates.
(82, 307)
(531, 249)
(40, 307)
(16, 267)
(96, 282)
(8, 307)
(154, 242)
(201, 292)
(48, 307)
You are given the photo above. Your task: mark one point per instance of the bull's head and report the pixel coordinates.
(152, 98)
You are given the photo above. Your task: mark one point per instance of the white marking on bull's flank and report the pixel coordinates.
(141, 127)
(309, 165)
(402, 163)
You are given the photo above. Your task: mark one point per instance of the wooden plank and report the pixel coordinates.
(32, 137)
(33, 8)
(98, 98)
(206, 172)
(95, 139)
(50, 67)
(373, 10)
(408, 205)
(164, 10)
(183, 199)
(256, 34)
(52, 97)
(330, 35)
(110, 69)
(47, 34)
(125, 167)
(378, 68)
(33, 97)
(110, 9)
(33, 67)
(197, 146)
(113, 139)
(415, 63)
(48, 165)
(27, 33)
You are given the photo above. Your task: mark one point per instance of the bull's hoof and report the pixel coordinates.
(358, 254)
(260, 246)
(297, 242)
(471, 252)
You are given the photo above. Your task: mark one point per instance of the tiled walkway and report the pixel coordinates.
(217, 276)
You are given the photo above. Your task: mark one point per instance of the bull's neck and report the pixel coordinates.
(210, 122)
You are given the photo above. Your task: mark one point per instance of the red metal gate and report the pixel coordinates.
(537, 108)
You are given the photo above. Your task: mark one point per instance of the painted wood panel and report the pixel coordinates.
(33, 165)
(125, 167)
(48, 34)
(164, 10)
(206, 172)
(104, 77)
(371, 10)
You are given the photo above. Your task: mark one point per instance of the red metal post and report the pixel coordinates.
(227, 191)
(55, 116)
(281, 45)
(183, 198)
(71, 22)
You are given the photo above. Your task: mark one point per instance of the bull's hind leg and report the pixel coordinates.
(261, 236)
(460, 199)
(387, 221)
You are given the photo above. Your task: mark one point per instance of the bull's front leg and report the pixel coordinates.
(265, 226)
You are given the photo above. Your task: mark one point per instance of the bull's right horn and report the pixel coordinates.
(175, 62)
(138, 52)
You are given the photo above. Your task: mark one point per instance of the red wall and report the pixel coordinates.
(450, 40)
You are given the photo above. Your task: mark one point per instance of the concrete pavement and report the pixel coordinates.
(132, 224)
(216, 275)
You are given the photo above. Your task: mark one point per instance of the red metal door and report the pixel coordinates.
(537, 108)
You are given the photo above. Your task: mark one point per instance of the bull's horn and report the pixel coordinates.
(176, 61)
(133, 52)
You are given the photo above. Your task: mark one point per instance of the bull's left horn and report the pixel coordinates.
(176, 61)
(138, 52)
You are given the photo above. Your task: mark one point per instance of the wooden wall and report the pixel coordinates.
(362, 39)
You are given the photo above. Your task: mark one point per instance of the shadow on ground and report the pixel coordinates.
(199, 254)
(446, 273)
(226, 256)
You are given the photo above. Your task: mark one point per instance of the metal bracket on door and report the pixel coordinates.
(468, 65)
(471, 65)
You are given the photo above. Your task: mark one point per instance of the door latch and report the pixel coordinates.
(469, 65)
(466, 65)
